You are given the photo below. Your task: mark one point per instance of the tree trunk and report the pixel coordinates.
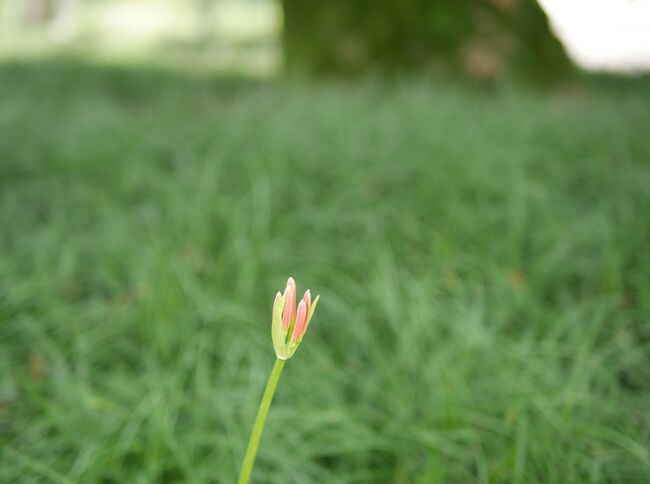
(482, 39)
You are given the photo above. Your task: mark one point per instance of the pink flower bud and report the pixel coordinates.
(288, 326)
(307, 299)
(301, 322)
(291, 283)
(289, 305)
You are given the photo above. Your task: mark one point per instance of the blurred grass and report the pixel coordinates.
(482, 258)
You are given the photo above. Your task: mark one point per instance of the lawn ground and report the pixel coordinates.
(481, 254)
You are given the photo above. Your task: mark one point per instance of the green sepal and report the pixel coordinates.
(312, 308)
(278, 333)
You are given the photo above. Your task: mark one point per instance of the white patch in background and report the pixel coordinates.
(612, 35)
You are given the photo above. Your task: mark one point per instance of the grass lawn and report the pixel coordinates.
(483, 260)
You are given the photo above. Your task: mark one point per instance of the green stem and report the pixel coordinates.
(258, 428)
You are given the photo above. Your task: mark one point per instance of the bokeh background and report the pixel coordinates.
(465, 184)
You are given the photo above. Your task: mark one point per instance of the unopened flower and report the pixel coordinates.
(289, 324)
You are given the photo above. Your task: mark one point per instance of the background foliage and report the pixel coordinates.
(481, 255)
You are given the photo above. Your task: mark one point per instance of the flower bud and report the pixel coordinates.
(286, 320)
